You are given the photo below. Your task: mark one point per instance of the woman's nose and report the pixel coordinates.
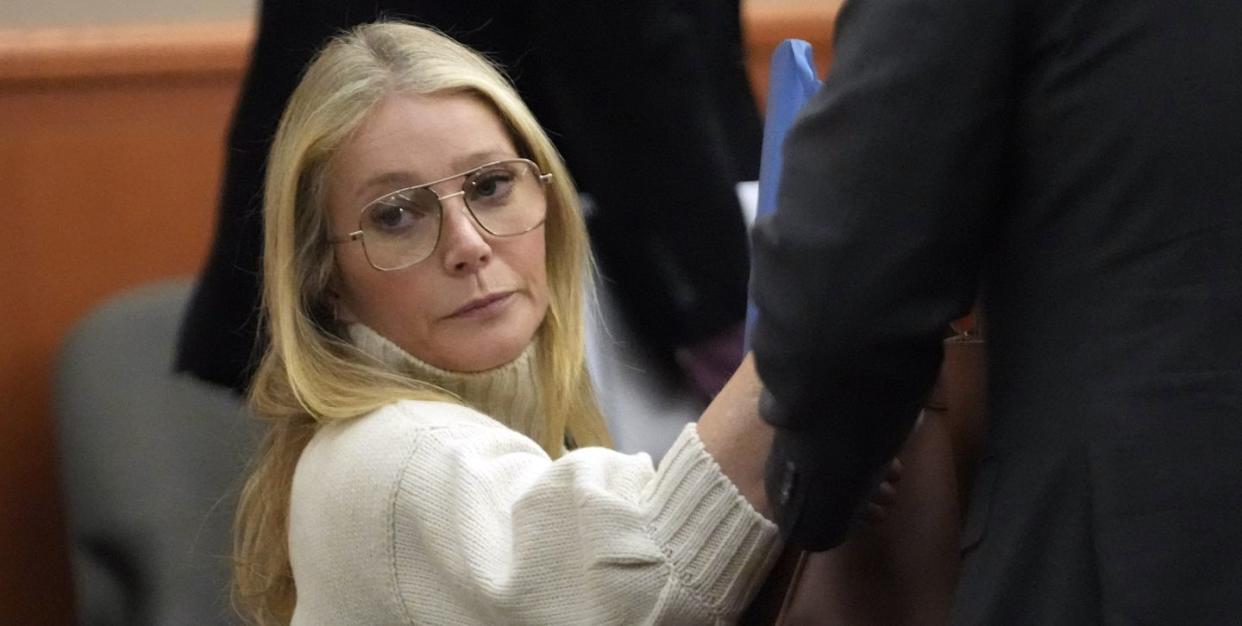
(464, 243)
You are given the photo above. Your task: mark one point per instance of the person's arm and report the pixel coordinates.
(736, 437)
(891, 177)
(485, 527)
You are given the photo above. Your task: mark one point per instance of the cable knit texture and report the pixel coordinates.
(433, 513)
(505, 394)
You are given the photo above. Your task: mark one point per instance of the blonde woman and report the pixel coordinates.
(435, 453)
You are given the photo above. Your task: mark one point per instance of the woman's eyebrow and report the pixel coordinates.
(389, 181)
(382, 183)
(482, 157)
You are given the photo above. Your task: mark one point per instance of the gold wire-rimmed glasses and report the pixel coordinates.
(401, 228)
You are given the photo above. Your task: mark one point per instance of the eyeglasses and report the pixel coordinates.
(402, 228)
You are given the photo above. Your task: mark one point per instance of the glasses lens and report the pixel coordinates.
(401, 229)
(507, 197)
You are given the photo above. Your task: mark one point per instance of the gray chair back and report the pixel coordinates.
(151, 465)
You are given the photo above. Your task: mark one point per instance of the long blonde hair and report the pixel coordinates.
(309, 375)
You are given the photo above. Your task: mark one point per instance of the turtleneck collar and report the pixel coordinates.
(507, 394)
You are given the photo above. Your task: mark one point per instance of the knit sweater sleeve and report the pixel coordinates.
(486, 529)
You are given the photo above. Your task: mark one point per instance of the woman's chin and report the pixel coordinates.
(478, 345)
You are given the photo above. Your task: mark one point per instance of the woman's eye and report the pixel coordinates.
(395, 217)
(492, 185)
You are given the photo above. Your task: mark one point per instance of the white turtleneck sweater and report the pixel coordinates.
(435, 513)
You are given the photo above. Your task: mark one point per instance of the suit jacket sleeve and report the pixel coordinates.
(892, 174)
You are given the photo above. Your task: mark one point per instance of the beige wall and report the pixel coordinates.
(21, 13)
(24, 13)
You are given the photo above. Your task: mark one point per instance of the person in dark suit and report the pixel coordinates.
(1075, 167)
(649, 103)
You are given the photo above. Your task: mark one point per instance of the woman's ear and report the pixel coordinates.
(341, 311)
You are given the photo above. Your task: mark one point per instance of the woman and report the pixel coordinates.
(431, 454)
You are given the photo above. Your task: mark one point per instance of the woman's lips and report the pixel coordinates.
(482, 307)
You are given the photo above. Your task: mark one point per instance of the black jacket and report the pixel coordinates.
(1077, 164)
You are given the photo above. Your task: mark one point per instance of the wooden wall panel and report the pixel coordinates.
(110, 152)
(110, 156)
(768, 23)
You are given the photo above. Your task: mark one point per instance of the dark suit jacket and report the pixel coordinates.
(1078, 165)
(647, 100)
